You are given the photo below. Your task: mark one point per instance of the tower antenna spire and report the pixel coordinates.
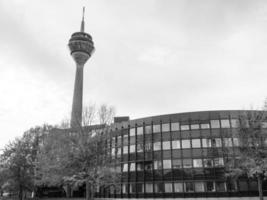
(82, 24)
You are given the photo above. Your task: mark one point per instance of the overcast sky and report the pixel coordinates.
(152, 57)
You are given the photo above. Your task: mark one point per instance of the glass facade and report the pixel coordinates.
(179, 155)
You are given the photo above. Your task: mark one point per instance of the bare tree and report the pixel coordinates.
(106, 114)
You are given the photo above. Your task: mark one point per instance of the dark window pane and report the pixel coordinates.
(189, 187)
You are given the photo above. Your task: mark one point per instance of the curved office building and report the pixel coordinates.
(177, 155)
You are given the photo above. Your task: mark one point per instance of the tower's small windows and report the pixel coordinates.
(186, 144)
(125, 149)
(175, 126)
(187, 163)
(140, 130)
(157, 164)
(167, 164)
(196, 143)
(208, 162)
(215, 123)
(178, 187)
(156, 128)
(132, 167)
(168, 187)
(218, 162)
(197, 163)
(149, 188)
(194, 126)
(210, 186)
(166, 127)
(132, 132)
(132, 148)
(234, 123)
(189, 187)
(220, 186)
(176, 144)
(148, 129)
(225, 123)
(125, 167)
(206, 142)
(228, 142)
(176, 164)
(199, 187)
(166, 145)
(184, 127)
(205, 126)
(157, 146)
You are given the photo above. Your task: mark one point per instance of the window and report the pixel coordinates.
(167, 164)
(228, 142)
(225, 123)
(139, 148)
(157, 164)
(234, 123)
(148, 147)
(220, 186)
(157, 146)
(196, 143)
(125, 149)
(166, 145)
(184, 127)
(113, 151)
(124, 188)
(156, 128)
(139, 188)
(168, 187)
(176, 164)
(175, 126)
(176, 144)
(216, 142)
(197, 163)
(178, 187)
(132, 148)
(208, 162)
(148, 129)
(125, 167)
(199, 187)
(236, 142)
(218, 162)
(187, 163)
(210, 186)
(188, 186)
(206, 142)
(204, 126)
(194, 126)
(264, 124)
(186, 144)
(148, 166)
(132, 132)
(139, 166)
(140, 130)
(165, 127)
(119, 151)
(215, 123)
(158, 188)
(149, 188)
(132, 167)
(132, 188)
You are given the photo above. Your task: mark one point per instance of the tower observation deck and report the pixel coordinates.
(81, 48)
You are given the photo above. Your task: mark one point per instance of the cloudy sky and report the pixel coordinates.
(152, 57)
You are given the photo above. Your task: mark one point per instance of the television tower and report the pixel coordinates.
(81, 48)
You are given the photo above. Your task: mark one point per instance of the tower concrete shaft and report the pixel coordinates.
(81, 47)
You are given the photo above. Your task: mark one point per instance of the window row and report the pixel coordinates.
(176, 144)
(176, 126)
(199, 186)
(173, 164)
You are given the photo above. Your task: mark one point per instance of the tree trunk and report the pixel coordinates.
(259, 177)
(87, 190)
(20, 192)
(92, 192)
